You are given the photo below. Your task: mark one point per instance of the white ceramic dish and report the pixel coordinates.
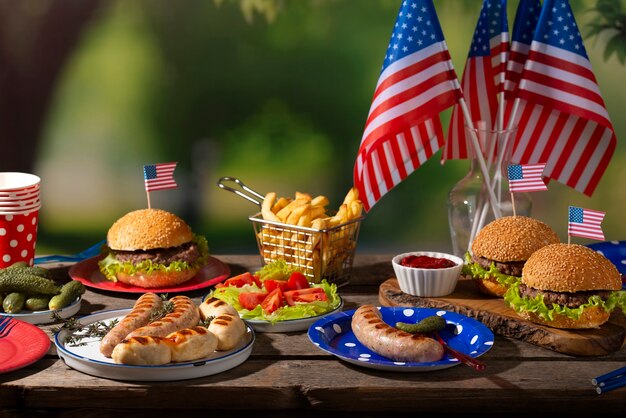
(45, 317)
(88, 359)
(427, 282)
(292, 325)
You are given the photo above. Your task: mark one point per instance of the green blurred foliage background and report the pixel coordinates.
(278, 99)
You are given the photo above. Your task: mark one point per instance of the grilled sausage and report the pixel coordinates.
(213, 307)
(229, 329)
(142, 351)
(191, 343)
(390, 342)
(184, 315)
(138, 317)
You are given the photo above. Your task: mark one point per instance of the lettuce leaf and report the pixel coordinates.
(536, 305)
(230, 295)
(477, 271)
(110, 266)
(276, 270)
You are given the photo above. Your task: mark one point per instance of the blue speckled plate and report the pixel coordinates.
(333, 334)
(615, 251)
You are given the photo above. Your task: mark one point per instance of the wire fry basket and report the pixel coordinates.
(319, 253)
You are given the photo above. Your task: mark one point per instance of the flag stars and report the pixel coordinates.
(404, 26)
(414, 28)
(420, 18)
(405, 49)
(410, 39)
(562, 41)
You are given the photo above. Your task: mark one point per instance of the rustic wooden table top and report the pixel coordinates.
(286, 373)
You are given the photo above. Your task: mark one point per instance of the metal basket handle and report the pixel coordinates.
(221, 185)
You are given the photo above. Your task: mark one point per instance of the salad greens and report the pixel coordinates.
(110, 266)
(301, 310)
(276, 270)
(536, 305)
(477, 271)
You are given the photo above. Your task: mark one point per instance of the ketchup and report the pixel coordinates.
(426, 262)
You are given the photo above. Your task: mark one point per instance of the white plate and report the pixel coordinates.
(291, 325)
(45, 317)
(88, 359)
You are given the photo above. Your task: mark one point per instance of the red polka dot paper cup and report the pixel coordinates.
(18, 237)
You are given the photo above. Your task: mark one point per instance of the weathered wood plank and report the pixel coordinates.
(297, 384)
(504, 321)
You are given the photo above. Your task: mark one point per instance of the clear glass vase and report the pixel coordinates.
(469, 203)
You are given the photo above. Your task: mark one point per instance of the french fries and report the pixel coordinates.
(321, 251)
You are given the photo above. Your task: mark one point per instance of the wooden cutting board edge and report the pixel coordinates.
(502, 320)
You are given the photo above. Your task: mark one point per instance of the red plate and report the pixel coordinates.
(24, 345)
(88, 273)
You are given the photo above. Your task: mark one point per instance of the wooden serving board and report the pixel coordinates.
(467, 300)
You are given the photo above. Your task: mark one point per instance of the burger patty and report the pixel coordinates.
(511, 268)
(571, 300)
(187, 252)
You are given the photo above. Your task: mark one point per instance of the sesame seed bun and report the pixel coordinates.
(591, 317)
(157, 278)
(512, 238)
(147, 229)
(570, 268)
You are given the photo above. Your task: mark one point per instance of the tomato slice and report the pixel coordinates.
(240, 280)
(251, 300)
(311, 294)
(297, 281)
(257, 281)
(272, 301)
(271, 284)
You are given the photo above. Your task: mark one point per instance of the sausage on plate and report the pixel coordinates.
(184, 315)
(192, 343)
(390, 342)
(138, 317)
(214, 307)
(229, 330)
(142, 351)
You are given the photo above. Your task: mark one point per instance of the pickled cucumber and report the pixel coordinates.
(428, 324)
(13, 302)
(69, 292)
(19, 281)
(37, 303)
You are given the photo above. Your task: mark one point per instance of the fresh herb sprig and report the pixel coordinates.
(78, 331)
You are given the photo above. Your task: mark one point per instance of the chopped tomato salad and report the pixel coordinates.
(277, 297)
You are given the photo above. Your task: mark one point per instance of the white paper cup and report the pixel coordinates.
(13, 181)
(19, 209)
(19, 197)
(19, 203)
(20, 194)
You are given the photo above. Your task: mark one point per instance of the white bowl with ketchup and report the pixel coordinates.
(427, 273)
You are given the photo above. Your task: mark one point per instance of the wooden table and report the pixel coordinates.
(290, 376)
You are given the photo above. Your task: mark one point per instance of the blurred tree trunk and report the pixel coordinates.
(36, 39)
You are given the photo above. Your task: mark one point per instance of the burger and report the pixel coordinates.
(567, 286)
(152, 248)
(500, 250)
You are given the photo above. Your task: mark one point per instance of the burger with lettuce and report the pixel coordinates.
(152, 248)
(567, 286)
(500, 250)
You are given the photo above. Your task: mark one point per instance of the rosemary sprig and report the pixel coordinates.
(78, 332)
(165, 308)
(206, 322)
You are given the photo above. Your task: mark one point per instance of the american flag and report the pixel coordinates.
(585, 223)
(416, 83)
(159, 176)
(526, 178)
(564, 121)
(526, 19)
(483, 76)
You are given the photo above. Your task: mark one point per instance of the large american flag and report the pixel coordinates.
(585, 223)
(159, 176)
(526, 178)
(416, 83)
(483, 77)
(526, 19)
(564, 121)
